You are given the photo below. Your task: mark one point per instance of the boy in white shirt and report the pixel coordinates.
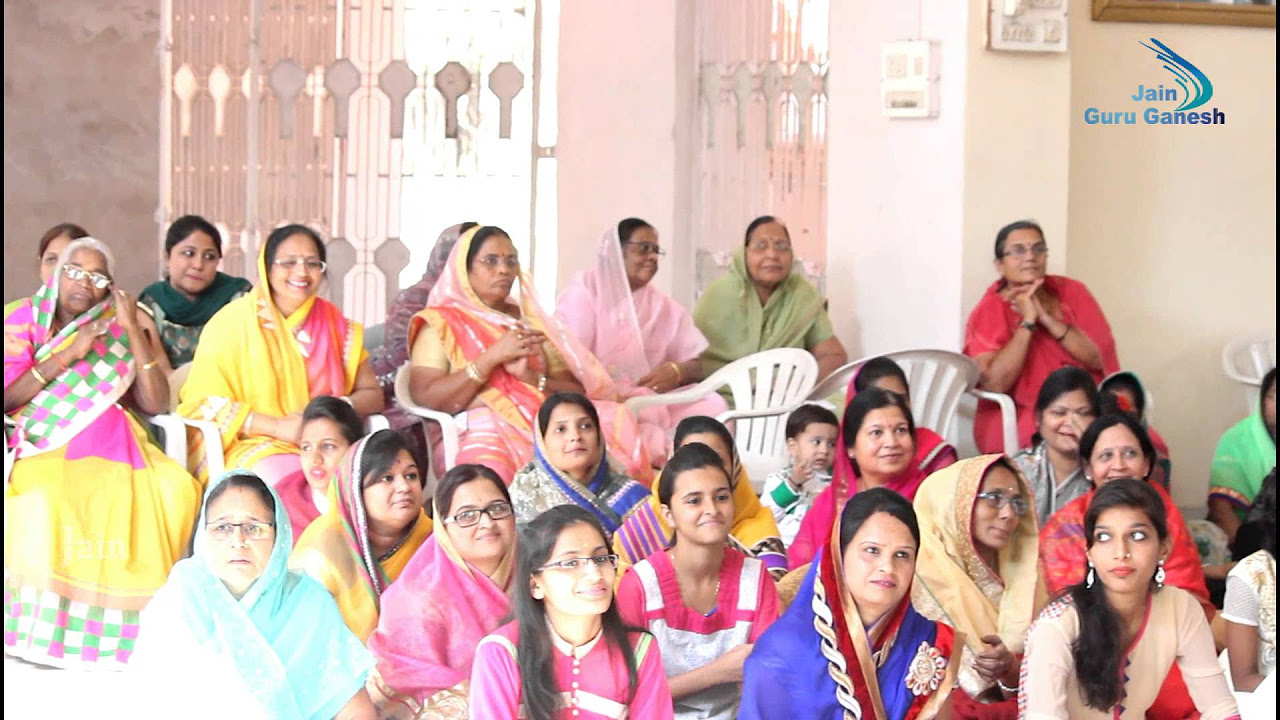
(811, 442)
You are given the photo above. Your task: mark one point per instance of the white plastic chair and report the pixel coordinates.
(175, 441)
(764, 387)
(448, 424)
(1247, 359)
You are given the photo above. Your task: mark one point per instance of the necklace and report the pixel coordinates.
(684, 597)
(383, 557)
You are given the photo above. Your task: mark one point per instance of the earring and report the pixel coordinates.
(1160, 574)
(1088, 580)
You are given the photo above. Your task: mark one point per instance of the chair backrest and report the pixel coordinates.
(773, 380)
(1247, 359)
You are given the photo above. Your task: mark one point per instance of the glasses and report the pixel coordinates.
(998, 500)
(1020, 251)
(576, 564)
(253, 531)
(492, 261)
(782, 246)
(469, 518)
(645, 248)
(311, 264)
(75, 273)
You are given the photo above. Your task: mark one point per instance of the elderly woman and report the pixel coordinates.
(761, 304)
(492, 359)
(1027, 325)
(49, 251)
(268, 353)
(95, 515)
(1066, 405)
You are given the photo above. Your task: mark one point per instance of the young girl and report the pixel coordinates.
(329, 426)
(576, 659)
(705, 602)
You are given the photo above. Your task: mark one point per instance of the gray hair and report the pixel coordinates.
(89, 243)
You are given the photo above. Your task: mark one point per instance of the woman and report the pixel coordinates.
(192, 289)
(705, 603)
(876, 449)
(95, 515)
(753, 533)
(311, 349)
(978, 572)
(570, 466)
(575, 656)
(1027, 325)
(424, 649)
(1250, 614)
(933, 453)
(1129, 394)
(49, 251)
(643, 338)
(235, 633)
(329, 427)
(374, 524)
(761, 305)
(852, 644)
(478, 353)
(1245, 454)
(1067, 404)
(1102, 649)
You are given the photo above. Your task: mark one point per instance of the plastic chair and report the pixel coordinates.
(448, 424)
(175, 441)
(1247, 359)
(764, 387)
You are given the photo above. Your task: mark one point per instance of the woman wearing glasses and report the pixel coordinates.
(492, 357)
(266, 355)
(978, 572)
(761, 305)
(424, 650)
(374, 524)
(1027, 325)
(95, 515)
(567, 653)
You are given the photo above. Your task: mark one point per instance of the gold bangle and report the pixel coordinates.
(675, 366)
(473, 372)
(246, 428)
(150, 365)
(542, 383)
(35, 373)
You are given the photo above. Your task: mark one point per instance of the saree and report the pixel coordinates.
(818, 662)
(280, 651)
(1245, 454)
(95, 515)
(992, 324)
(424, 649)
(736, 324)
(335, 551)
(180, 320)
(315, 351)
(498, 430)
(954, 585)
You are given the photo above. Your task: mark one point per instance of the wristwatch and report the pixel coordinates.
(1030, 326)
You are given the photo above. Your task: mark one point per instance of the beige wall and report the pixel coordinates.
(81, 122)
(1174, 228)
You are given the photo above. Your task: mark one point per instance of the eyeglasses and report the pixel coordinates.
(311, 264)
(1020, 251)
(576, 564)
(782, 246)
(75, 273)
(645, 248)
(997, 500)
(492, 261)
(253, 531)
(469, 518)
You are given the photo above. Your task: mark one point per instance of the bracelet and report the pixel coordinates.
(150, 365)
(542, 383)
(35, 373)
(1005, 688)
(1063, 335)
(1028, 326)
(347, 399)
(473, 372)
(247, 428)
(62, 367)
(676, 367)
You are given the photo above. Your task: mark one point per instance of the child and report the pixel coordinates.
(329, 426)
(811, 441)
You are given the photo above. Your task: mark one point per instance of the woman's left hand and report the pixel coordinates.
(126, 308)
(996, 662)
(660, 380)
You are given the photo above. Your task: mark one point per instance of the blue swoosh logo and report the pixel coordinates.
(1196, 88)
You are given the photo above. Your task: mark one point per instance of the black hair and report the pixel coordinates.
(555, 400)
(460, 475)
(247, 480)
(628, 226)
(702, 424)
(694, 456)
(875, 369)
(481, 236)
(1266, 503)
(183, 227)
(869, 502)
(809, 414)
(863, 403)
(1005, 231)
(1126, 382)
(1059, 383)
(1099, 649)
(1268, 381)
(380, 453)
(71, 230)
(539, 691)
(337, 410)
(763, 220)
(463, 227)
(1109, 420)
(284, 232)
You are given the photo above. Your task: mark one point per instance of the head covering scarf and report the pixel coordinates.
(282, 645)
(954, 585)
(1245, 455)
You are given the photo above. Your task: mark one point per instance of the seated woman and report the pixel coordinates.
(1245, 454)
(705, 603)
(570, 466)
(761, 305)
(1027, 325)
(424, 649)
(643, 338)
(753, 532)
(1104, 647)
(237, 632)
(932, 451)
(95, 515)
(978, 572)
(309, 347)
(49, 252)
(478, 353)
(876, 449)
(1067, 404)
(575, 656)
(852, 644)
(375, 514)
(1250, 614)
(1130, 396)
(329, 427)
(1115, 447)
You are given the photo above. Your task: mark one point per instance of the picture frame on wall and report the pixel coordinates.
(1246, 13)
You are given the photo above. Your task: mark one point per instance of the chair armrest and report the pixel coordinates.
(175, 436)
(376, 422)
(448, 426)
(731, 415)
(1008, 417)
(678, 397)
(175, 427)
